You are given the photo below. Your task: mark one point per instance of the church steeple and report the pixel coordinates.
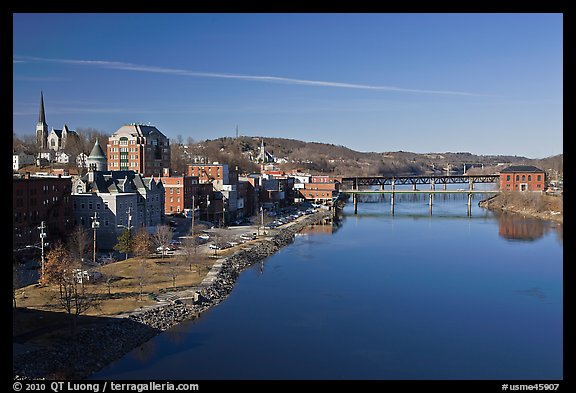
(42, 116)
(41, 126)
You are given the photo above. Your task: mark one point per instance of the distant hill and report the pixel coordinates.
(325, 158)
(319, 158)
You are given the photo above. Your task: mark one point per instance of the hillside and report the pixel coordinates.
(315, 157)
(324, 158)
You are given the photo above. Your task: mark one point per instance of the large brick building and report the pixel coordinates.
(36, 199)
(522, 178)
(320, 192)
(139, 148)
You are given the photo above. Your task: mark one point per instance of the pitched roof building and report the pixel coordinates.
(522, 178)
(119, 199)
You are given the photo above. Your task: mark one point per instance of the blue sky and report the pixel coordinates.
(481, 83)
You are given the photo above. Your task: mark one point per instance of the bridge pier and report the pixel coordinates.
(444, 186)
(355, 198)
(469, 203)
(471, 184)
(432, 185)
(414, 186)
(381, 186)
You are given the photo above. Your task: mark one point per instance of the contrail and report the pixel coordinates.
(259, 78)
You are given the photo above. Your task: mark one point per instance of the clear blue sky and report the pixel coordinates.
(482, 83)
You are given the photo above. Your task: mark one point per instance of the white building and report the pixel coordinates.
(21, 159)
(120, 199)
(62, 158)
(81, 160)
(47, 155)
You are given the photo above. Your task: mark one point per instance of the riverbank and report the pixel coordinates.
(101, 340)
(537, 205)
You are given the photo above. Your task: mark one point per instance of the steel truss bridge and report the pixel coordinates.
(351, 186)
(353, 183)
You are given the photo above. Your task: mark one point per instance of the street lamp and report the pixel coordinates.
(42, 237)
(95, 225)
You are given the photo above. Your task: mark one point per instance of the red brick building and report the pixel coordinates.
(320, 192)
(522, 178)
(178, 193)
(36, 199)
(210, 172)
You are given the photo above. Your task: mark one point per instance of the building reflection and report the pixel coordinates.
(516, 227)
(326, 227)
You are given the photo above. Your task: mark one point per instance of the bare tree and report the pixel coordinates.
(142, 247)
(15, 282)
(190, 247)
(79, 244)
(162, 237)
(62, 269)
(174, 269)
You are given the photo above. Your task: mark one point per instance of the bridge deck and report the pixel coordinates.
(360, 192)
(436, 179)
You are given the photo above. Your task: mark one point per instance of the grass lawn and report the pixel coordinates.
(122, 294)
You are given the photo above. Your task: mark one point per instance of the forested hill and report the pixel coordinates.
(336, 160)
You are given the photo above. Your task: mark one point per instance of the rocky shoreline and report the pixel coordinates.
(538, 206)
(101, 343)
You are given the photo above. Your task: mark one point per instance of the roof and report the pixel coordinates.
(137, 130)
(115, 182)
(521, 168)
(97, 151)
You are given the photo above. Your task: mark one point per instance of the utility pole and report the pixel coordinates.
(42, 236)
(95, 225)
(262, 214)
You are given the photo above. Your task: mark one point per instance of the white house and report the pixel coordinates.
(62, 158)
(22, 159)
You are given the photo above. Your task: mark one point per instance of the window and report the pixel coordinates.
(538, 178)
(517, 177)
(507, 177)
(529, 177)
(523, 177)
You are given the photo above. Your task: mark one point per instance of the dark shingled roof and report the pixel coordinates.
(521, 168)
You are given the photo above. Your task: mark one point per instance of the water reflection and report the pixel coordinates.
(516, 227)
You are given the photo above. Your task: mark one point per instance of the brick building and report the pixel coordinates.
(36, 199)
(178, 192)
(522, 178)
(320, 192)
(139, 148)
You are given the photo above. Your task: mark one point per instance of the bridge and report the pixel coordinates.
(351, 186)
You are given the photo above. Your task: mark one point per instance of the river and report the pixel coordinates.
(381, 296)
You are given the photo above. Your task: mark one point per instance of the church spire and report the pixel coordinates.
(42, 116)
(41, 126)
